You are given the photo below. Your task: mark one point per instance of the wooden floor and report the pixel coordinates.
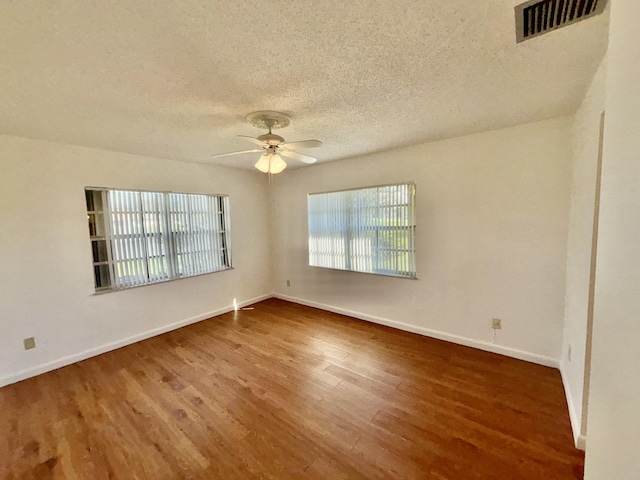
(285, 391)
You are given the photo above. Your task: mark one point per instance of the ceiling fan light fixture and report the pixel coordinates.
(277, 164)
(271, 163)
(263, 163)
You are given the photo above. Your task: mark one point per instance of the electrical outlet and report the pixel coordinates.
(29, 343)
(569, 352)
(288, 283)
(496, 323)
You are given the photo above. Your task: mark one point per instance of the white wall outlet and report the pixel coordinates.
(288, 283)
(29, 343)
(496, 323)
(569, 352)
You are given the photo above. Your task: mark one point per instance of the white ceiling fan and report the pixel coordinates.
(272, 145)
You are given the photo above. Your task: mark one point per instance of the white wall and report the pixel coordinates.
(585, 142)
(614, 396)
(46, 286)
(492, 220)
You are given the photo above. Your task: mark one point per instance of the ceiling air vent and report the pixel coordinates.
(538, 17)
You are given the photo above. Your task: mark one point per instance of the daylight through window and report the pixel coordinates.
(138, 238)
(365, 230)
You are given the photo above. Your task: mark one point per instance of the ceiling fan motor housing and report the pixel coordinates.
(271, 139)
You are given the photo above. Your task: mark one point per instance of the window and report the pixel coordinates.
(138, 238)
(365, 230)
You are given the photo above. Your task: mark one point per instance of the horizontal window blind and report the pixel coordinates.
(365, 230)
(157, 236)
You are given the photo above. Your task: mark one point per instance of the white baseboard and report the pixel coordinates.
(581, 443)
(92, 352)
(579, 440)
(488, 347)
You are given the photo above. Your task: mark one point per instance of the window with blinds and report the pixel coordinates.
(139, 238)
(368, 230)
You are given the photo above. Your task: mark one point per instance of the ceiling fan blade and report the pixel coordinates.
(254, 140)
(302, 144)
(236, 153)
(297, 156)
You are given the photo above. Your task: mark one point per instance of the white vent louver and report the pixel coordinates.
(538, 17)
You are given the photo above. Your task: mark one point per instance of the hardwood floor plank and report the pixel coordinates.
(283, 392)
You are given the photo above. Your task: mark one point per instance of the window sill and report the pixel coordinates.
(377, 274)
(114, 290)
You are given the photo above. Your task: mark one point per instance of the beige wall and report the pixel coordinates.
(492, 219)
(46, 286)
(614, 396)
(585, 141)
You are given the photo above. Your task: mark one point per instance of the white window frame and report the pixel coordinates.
(152, 237)
(353, 229)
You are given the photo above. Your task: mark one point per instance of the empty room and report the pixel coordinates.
(320, 240)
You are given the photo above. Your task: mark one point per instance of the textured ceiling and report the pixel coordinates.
(175, 79)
